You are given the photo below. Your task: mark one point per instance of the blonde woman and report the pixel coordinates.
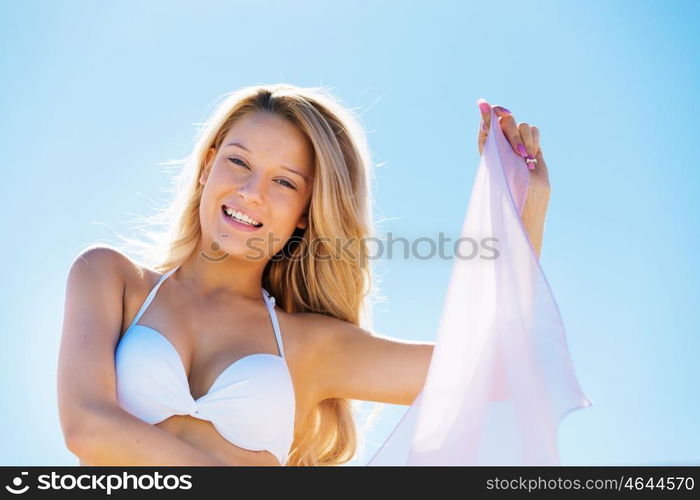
(238, 340)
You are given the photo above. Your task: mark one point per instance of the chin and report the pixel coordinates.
(237, 247)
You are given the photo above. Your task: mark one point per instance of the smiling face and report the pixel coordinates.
(263, 170)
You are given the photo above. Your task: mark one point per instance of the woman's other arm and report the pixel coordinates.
(352, 363)
(535, 210)
(525, 141)
(95, 427)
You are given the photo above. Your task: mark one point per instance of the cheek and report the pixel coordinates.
(218, 186)
(208, 196)
(222, 177)
(288, 209)
(284, 220)
(209, 208)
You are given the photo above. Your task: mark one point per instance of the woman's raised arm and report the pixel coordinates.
(95, 427)
(525, 141)
(352, 363)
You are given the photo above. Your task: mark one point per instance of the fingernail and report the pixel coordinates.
(504, 109)
(484, 107)
(522, 150)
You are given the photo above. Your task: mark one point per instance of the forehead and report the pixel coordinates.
(271, 138)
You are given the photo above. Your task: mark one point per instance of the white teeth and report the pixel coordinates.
(240, 216)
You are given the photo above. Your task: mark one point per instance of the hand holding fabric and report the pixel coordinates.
(500, 379)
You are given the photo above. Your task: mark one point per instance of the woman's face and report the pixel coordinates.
(264, 169)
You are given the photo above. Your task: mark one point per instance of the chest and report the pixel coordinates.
(208, 338)
(211, 344)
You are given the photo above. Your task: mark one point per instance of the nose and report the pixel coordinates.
(252, 190)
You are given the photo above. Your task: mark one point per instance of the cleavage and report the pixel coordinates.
(213, 352)
(203, 368)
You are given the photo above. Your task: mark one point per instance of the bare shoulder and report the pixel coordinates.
(299, 332)
(324, 328)
(312, 326)
(104, 259)
(112, 263)
(315, 334)
(112, 268)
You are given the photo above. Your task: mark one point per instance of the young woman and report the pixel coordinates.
(239, 340)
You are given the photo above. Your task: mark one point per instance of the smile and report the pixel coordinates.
(239, 220)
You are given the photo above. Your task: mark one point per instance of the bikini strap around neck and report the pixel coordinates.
(151, 295)
(270, 303)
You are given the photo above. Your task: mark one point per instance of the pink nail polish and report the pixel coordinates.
(522, 150)
(484, 107)
(530, 164)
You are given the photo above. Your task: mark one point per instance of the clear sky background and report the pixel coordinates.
(93, 95)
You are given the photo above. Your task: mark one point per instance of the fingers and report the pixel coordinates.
(531, 139)
(501, 111)
(485, 124)
(526, 136)
(540, 172)
(512, 133)
(523, 137)
(535, 137)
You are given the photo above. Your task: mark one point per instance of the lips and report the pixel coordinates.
(237, 209)
(237, 225)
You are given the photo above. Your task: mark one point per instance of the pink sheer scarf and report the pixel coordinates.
(501, 378)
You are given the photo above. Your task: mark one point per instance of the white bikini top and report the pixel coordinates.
(251, 403)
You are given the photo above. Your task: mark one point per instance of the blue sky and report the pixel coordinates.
(95, 94)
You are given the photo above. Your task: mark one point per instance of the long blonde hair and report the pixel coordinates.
(340, 208)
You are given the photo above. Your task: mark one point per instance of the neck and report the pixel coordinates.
(220, 275)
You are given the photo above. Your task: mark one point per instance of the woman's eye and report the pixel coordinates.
(237, 159)
(289, 184)
(243, 164)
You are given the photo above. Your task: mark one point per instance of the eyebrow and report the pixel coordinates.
(293, 170)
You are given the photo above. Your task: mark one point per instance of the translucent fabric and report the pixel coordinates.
(501, 378)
